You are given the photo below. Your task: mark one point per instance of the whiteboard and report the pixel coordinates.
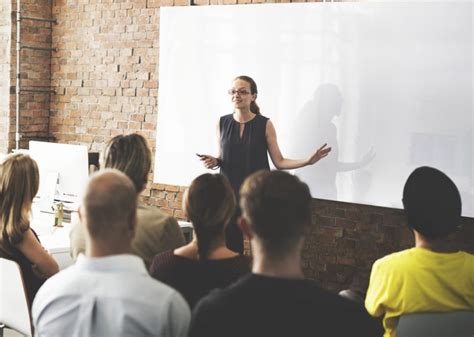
(388, 85)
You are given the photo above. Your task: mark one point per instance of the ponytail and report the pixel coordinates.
(206, 237)
(209, 203)
(254, 108)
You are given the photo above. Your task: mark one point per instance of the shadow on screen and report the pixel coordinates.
(315, 126)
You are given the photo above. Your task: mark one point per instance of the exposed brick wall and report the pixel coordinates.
(35, 72)
(5, 55)
(345, 239)
(106, 77)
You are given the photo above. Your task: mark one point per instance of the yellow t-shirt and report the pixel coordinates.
(419, 280)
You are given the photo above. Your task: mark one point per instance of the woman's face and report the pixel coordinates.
(241, 95)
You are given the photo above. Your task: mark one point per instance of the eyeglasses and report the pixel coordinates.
(241, 92)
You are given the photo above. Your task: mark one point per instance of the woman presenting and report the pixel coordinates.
(245, 137)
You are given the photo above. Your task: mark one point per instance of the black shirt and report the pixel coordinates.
(243, 156)
(194, 279)
(31, 281)
(261, 306)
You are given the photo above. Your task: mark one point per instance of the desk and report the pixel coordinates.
(56, 239)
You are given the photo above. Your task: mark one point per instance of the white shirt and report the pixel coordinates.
(108, 296)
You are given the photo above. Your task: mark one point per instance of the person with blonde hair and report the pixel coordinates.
(19, 183)
(156, 231)
(205, 263)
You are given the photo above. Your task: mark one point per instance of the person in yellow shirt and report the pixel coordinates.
(431, 277)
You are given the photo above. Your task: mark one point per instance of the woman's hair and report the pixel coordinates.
(209, 203)
(131, 155)
(19, 183)
(253, 90)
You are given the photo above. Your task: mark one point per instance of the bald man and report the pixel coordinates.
(108, 292)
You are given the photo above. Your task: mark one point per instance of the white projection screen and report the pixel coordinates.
(388, 85)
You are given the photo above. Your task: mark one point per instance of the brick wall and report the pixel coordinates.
(35, 72)
(345, 239)
(5, 55)
(106, 78)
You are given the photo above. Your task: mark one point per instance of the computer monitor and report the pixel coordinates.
(65, 164)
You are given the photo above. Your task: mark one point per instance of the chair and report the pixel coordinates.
(14, 313)
(446, 324)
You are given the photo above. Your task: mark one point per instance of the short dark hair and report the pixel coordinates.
(131, 155)
(277, 205)
(432, 203)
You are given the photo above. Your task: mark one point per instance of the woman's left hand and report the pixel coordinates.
(320, 153)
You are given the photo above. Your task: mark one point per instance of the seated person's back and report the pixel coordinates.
(259, 305)
(276, 300)
(156, 231)
(19, 183)
(431, 277)
(108, 292)
(205, 263)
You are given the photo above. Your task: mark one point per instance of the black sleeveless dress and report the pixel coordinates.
(240, 158)
(31, 282)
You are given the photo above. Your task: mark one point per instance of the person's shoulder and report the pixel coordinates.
(467, 256)
(469, 261)
(155, 289)
(163, 263)
(226, 117)
(149, 215)
(388, 261)
(335, 307)
(58, 285)
(232, 293)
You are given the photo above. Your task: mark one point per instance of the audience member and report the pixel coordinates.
(276, 300)
(19, 182)
(156, 231)
(108, 292)
(431, 276)
(205, 263)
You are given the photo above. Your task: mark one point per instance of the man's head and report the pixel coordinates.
(276, 211)
(432, 203)
(131, 155)
(109, 208)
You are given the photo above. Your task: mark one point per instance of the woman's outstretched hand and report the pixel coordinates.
(320, 153)
(209, 162)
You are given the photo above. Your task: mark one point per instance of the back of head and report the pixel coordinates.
(109, 206)
(432, 203)
(19, 183)
(277, 205)
(131, 155)
(209, 203)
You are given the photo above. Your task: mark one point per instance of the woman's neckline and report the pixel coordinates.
(251, 119)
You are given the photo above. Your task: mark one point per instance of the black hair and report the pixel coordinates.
(432, 203)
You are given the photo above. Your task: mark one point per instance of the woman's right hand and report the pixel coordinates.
(209, 162)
